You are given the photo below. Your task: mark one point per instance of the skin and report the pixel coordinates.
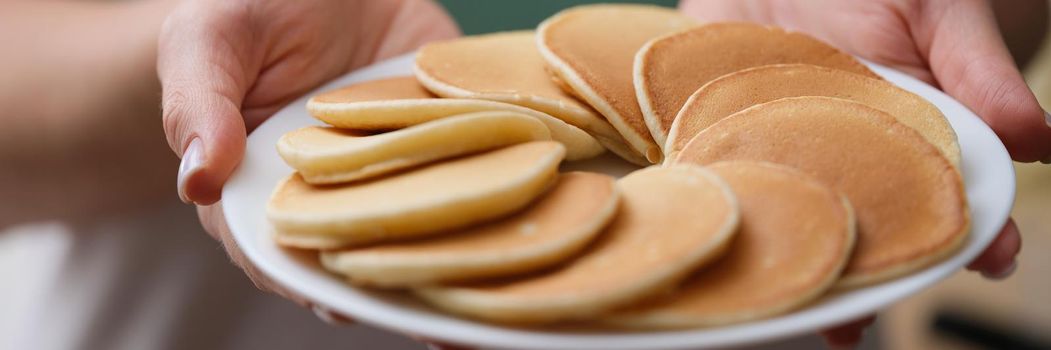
(77, 146)
(226, 66)
(71, 110)
(952, 44)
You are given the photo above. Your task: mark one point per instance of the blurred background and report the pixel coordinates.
(964, 312)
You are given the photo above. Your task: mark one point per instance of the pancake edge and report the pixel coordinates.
(672, 320)
(637, 142)
(414, 270)
(318, 231)
(898, 269)
(487, 306)
(375, 116)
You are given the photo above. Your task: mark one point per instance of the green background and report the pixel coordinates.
(483, 16)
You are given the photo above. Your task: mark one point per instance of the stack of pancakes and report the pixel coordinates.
(785, 169)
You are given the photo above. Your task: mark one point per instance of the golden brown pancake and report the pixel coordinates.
(424, 201)
(671, 221)
(382, 104)
(401, 102)
(795, 237)
(909, 200)
(552, 229)
(591, 49)
(670, 68)
(326, 155)
(505, 67)
(736, 91)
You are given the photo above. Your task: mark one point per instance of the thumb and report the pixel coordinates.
(203, 82)
(970, 61)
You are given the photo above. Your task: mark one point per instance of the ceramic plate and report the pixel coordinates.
(987, 172)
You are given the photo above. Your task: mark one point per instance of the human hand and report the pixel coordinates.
(951, 44)
(226, 66)
(214, 223)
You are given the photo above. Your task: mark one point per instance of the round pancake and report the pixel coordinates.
(505, 67)
(671, 221)
(795, 237)
(429, 200)
(401, 102)
(736, 91)
(326, 155)
(670, 68)
(909, 200)
(591, 49)
(363, 106)
(552, 229)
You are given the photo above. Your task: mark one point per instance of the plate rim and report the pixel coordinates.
(372, 310)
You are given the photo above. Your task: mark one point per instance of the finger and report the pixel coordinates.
(215, 223)
(998, 260)
(847, 336)
(202, 62)
(970, 61)
(438, 346)
(330, 317)
(434, 345)
(417, 22)
(211, 217)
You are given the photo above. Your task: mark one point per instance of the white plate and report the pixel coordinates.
(987, 171)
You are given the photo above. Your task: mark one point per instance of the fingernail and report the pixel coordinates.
(1002, 274)
(192, 161)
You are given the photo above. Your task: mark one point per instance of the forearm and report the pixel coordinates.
(79, 92)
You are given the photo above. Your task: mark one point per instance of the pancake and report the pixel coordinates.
(909, 200)
(670, 68)
(671, 221)
(736, 91)
(326, 155)
(795, 237)
(429, 200)
(401, 102)
(591, 49)
(551, 230)
(506, 67)
(364, 105)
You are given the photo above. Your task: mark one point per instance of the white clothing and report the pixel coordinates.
(149, 281)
